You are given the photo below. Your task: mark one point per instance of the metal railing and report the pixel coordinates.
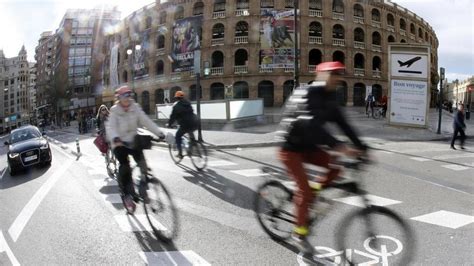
(315, 39)
(241, 39)
(339, 42)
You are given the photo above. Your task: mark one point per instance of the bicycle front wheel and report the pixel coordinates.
(274, 209)
(198, 154)
(375, 235)
(161, 211)
(111, 164)
(173, 153)
(377, 114)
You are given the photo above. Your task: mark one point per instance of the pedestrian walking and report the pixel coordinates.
(369, 102)
(459, 126)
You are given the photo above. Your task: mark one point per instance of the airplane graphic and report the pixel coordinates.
(409, 62)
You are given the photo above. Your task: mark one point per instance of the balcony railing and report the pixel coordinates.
(391, 28)
(242, 12)
(376, 73)
(412, 36)
(218, 14)
(241, 39)
(175, 76)
(359, 45)
(315, 39)
(311, 68)
(338, 16)
(160, 51)
(289, 69)
(219, 41)
(403, 33)
(160, 78)
(316, 13)
(376, 48)
(241, 69)
(359, 72)
(376, 24)
(264, 69)
(217, 71)
(359, 20)
(338, 42)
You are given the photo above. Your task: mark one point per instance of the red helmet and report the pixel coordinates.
(122, 91)
(330, 66)
(179, 94)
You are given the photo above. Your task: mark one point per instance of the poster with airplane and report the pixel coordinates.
(409, 65)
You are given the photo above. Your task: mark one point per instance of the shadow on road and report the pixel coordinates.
(22, 177)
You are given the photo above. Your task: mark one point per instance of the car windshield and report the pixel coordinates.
(24, 134)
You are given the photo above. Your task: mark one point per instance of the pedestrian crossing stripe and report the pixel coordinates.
(454, 156)
(97, 171)
(136, 223)
(220, 163)
(106, 182)
(249, 172)
(420, 159)
(374, 200)
(446, 219)
(172, 258)
(112, 198)
(455, 167)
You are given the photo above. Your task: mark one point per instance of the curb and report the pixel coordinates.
(63, 146)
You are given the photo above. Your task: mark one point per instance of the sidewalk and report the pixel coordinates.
(369, 129)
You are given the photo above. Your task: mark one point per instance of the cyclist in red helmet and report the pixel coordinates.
(307, 111)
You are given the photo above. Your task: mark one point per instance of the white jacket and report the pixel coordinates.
(124, 124)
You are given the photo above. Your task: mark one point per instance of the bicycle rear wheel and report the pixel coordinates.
(161, 211)
(198, 154)
(173, 152)
(111, 164)
(375, 235)
(274, 209)
(377, 114)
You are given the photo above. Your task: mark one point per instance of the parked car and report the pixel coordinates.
(27, 147)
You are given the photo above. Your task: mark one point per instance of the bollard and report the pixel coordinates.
(78, 148)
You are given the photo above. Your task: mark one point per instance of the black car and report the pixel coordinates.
(27, 147)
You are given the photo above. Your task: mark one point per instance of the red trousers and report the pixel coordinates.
(304, 195)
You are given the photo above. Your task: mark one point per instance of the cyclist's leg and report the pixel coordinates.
(139, 158)
(178, 139)
(304, 195)
(324, 159)
(125, 173)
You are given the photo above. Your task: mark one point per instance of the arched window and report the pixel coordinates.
(315, 57)
(376, 38)
(359, 61)
(193, 93)
(146, 102)
(162, 17)
(315, 5)
(241, 57)
(241, 90)
(160, 42)
(241, 29)
(412, 28)
(159, 96)
(377, 92)
(148, 22)
(242, 4)
(198, 8)
(338, 6)
(403, 41)
(390, 20)
(376, 63)
(338, 56)
(359, 35)
(420, 33)
(172, 93)
(125, 76)
(217, 59)
(288, 87)
(265, 91)
(375, 15)
(403, 25)
(358, 11)
(391, 39)
(219, 5)
(159, 67)
(179, 13)
(338, 31)
(267, 3)
(218, 31)
(217, 91)
(315, 29)
(426, 36)
(359, 94)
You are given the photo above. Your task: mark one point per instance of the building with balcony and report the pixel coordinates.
(246, 60)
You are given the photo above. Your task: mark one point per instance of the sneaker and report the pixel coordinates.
(452, 147)
(462, 148)
(179, 156)
(142, 191)
(129, 204)
(301, 242)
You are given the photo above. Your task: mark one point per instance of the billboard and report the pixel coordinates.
(408, 101)
(277, 36)
(140, 67)
(186, 39)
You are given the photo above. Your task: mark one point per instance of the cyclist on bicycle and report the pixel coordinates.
(126, 116)
(182, 113)
(310, 108)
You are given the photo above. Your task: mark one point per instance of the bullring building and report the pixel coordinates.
(247, 47)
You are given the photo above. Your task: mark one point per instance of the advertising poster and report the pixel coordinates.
(277, 38)
(409, 65)
(140, 66)
(408, 101)
(186, 36)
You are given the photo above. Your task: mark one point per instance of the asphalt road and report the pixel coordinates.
(69, 213)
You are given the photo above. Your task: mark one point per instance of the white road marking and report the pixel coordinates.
(3, 172)
(455, 167)
(220, 163)
(25, 215)
(420, 159)
(5, 248)
(249, 172)
(454, 156)
(386, 152)
(172, 258)
(446, 219)
(63, 152)
(136, 223)
(374, 200)
(107, 182)
(95, 171)
(112, 198)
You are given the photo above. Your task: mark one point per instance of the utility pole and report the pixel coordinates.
(197, 71)
(296, 76)
(440, 99)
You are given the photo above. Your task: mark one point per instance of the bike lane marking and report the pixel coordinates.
(184, 257)
(27, 212)
(5, 248)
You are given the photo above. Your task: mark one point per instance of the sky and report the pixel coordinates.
(22, 22)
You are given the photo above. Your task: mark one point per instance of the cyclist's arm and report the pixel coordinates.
(145, 121)
(111, 127)
(347, 129)
(172, 116)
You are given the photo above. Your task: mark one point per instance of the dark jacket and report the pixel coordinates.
(307, 131)
(183, 114)
(459, 120)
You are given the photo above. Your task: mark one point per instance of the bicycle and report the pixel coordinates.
(196, 150)
(111, 163)
(276, 217)
(159, 208)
